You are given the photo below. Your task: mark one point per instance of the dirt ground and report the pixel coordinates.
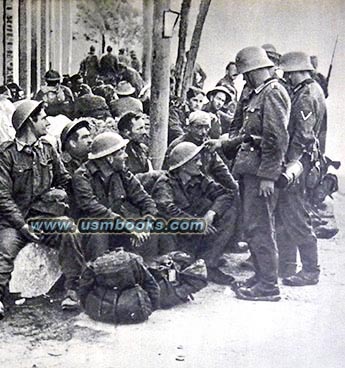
(305, 329)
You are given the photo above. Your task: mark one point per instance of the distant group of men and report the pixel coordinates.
(223, 164)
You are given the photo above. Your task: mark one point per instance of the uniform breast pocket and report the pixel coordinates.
(22, 176)
(253, 120)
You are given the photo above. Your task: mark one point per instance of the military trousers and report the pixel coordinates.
(208, 247)
(295, 231)
(259, 228)
(68, 245)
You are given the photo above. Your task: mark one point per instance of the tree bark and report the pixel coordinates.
(160, 86)
(147, 39)
(194, 47)
(181, 52)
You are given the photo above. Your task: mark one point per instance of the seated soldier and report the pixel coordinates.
(105, 188)
(126, 100)
(212, 164)
(58, 98)
(218, 97)
(132, 126)
(185, 192)
(29, 169)
(179, 112)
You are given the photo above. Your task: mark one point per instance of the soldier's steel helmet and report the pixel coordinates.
(295, 62)
(23, 111)
(252, 58)
(52, 76)
(183, 153)
(105, 144)
(71, 127)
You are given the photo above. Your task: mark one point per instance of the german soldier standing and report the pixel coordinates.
(308, 112)
(258, 165)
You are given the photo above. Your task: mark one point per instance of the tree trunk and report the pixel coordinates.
(194, 46)
(181, 52)
(147, 39)
(160, 86)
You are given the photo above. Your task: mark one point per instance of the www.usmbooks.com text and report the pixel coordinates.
(118, 225)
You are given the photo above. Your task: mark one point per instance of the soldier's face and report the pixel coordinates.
(193, 167)
(118, 159)
(41, 125)
(195, 103)
(82, 145)
(199, 131)
(218, 100)
(139, 132)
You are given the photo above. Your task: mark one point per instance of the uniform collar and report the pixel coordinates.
(21, 145)
(257, 90)
(302, 84)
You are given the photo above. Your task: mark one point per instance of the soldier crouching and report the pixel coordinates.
(29, 168)
(184, 192)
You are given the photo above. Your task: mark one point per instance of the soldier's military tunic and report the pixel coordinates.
(176, 199)
(101, 193)
(308, 112)
(27, 173)
(265, 114)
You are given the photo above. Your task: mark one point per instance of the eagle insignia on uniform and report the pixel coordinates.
(305, 117)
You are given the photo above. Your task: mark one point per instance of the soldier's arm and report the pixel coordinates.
(138, 196)
(85, 197)
(220, 197)
(276, 113)
(164, 197)
(221, 173)
(8, 207)
(304, 122)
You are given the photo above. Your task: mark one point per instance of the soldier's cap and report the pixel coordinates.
(24, 109)
(295, 61)
(105, 144)
(220, 89)
(70, 128)
(124, 88)
(52, 76)
(92, 49)
(200, 117)
(183, 153)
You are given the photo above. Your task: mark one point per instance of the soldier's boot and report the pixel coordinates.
(302, 278)
(2, 310)
(217, 276)
(70, 301)
(287, 269)
(251, 281)
(259, 292)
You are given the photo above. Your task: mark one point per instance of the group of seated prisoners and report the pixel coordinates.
(223, 164)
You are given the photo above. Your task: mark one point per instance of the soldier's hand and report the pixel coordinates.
(209, 217)
(266, 187)
(139, 239)
(210, 229)
(29, 235)
(213, 144)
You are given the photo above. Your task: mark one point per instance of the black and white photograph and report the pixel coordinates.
(172, 183)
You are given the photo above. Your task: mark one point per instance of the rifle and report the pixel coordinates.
(331, 64)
